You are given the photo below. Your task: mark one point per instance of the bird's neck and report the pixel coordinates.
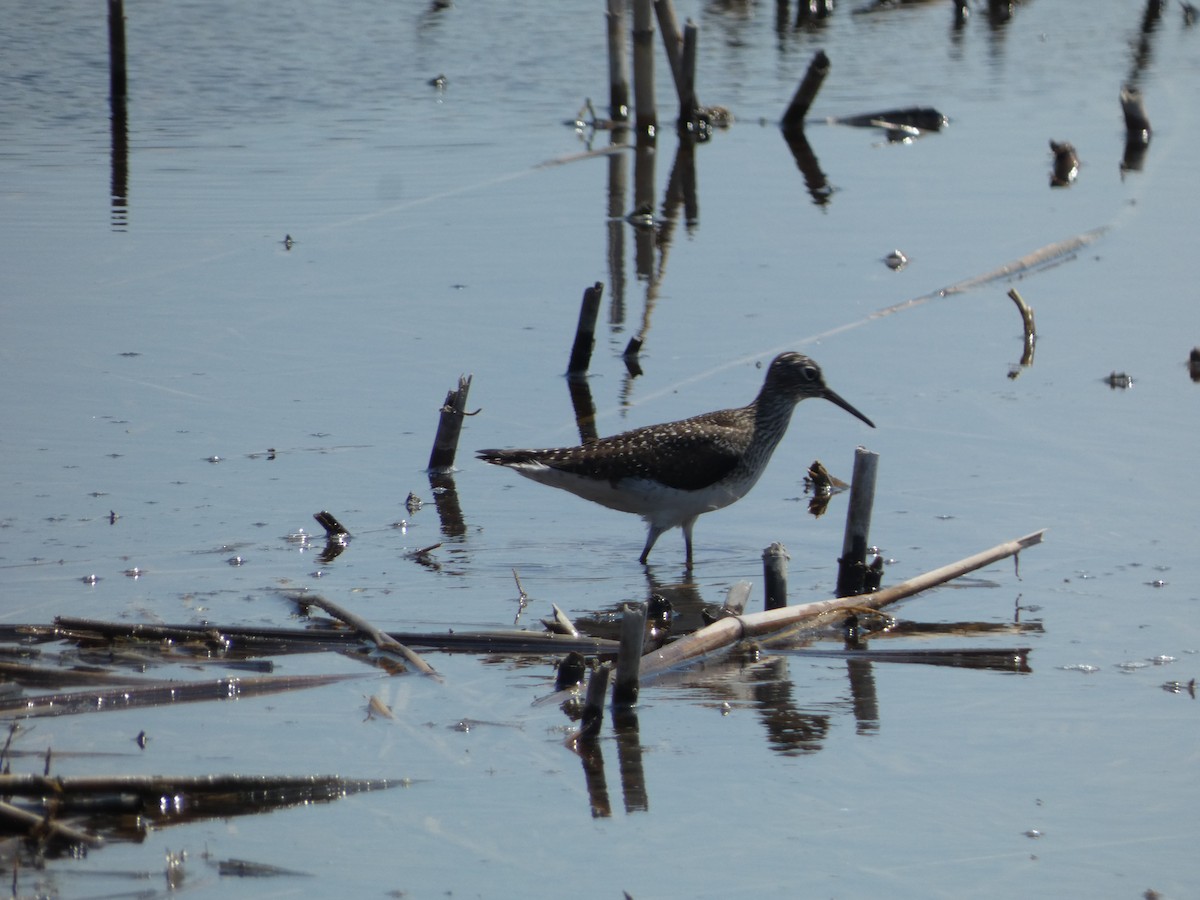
(772, 413)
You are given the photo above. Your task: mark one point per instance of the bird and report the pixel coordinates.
(671, 474)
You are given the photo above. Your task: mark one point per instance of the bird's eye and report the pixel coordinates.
(810, 373)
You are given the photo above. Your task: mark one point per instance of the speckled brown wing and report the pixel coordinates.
(687, 455)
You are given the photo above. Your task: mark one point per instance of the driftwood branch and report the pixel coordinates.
(727, 631)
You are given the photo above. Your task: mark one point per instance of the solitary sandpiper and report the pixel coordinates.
(671, 474)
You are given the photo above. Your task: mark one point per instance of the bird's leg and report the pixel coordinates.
(687, 537)
(655, 531)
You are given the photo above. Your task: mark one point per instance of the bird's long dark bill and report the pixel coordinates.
(838, 401)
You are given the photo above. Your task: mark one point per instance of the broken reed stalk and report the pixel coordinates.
(1137, 123)
(585, 331)
(445, 443)
(793, 118)
(852, 566)
(618, 63)
(593, 705)
(727, 631)
(643, 68)
(633, 635)
(775, 560)
(1030, 330)
(1026, 313)
(385, 642)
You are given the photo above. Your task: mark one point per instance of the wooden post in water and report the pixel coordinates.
(120, 115)
(853, 563)
(643, 69)
(116, 50)
(668, 24)
(629, 657)
(585, 331)
(445, 443)
(793, 119)
(687, 86)
(775, 560)
(618, 63)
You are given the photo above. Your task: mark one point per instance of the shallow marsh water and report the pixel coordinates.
(144, 341)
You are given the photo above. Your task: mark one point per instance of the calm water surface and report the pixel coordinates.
(146, 336)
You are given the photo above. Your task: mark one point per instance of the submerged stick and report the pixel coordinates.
(377, 636)
(162, 693)
(445, 443)
(727, 631)
(37, 825)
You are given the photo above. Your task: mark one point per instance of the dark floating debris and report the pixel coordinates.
(333, 528)
(1066, 164)
(571, 671)
(242, 868)
(896, 260)
(288, 242)
(1194, 364)
(899, 124)
(1119, 381)
(412, 503)
(437, 81)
